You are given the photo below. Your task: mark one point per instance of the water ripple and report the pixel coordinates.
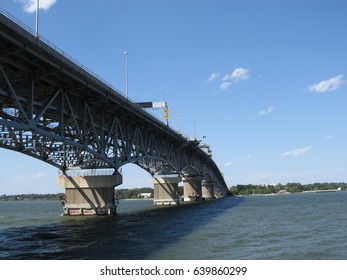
(300, 226)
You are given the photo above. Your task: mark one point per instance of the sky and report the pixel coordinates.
(263, 82)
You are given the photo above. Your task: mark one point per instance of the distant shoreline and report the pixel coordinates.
(31, 197)
(50, 197)
(286, 193)
(57, 197)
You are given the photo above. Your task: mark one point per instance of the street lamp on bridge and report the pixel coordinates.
(37, 18)
(126, 73)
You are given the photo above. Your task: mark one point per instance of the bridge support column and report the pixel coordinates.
(220, 192)
(207, 190)
(166, 190)
(192, 189)
(89, 195)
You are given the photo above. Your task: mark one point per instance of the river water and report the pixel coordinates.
(310, 226)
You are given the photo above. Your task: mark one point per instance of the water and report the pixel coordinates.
(296, 226)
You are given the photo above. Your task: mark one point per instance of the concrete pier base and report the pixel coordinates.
(220, 192)
(192, 189)
(89, 195)
(207, 190)
(166, 190)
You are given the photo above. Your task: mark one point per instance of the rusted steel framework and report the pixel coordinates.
(55, 110)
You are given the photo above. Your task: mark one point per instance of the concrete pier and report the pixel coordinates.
(90, 194)
(192, 190)
(166, 190)
(220, 192)
(207, 190)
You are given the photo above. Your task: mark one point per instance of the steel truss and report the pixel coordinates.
(52, 110)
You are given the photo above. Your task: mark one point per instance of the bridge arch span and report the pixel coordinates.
(54, 109)
(207, 177)
(190, 171)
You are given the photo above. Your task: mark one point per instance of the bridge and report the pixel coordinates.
(54, 109)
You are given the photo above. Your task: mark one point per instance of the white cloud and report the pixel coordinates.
(224, 86)
(267, 111)
(29, 6)
(38, 175)
(229, 164)
(297, 152)
(213, 77)
(329, 85)
(238, 75)
(328, 137)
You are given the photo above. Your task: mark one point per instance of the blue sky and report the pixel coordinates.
(263, 81)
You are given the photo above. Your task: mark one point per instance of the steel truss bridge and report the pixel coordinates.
(54, 109)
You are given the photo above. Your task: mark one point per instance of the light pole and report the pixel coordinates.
(126, 73)
(37, 18)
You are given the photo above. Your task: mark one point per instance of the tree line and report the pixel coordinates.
(32, 196)
(133, 193)
(249, 189)
(289, 187)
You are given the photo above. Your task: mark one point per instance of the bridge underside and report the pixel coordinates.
(54, 109)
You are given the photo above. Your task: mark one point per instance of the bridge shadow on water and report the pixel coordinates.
(129, 236)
